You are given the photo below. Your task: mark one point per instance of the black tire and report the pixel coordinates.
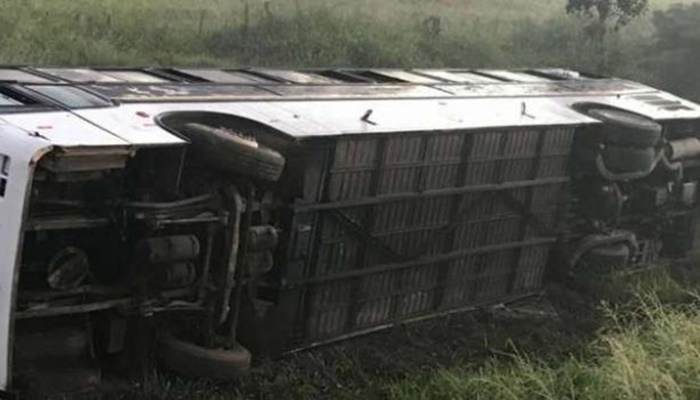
(595, 272)
(626, 159)
(625, 128)
(616, 159)
(607, 259)
(230, 152)
(194, 361)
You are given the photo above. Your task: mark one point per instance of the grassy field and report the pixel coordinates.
(306, 33)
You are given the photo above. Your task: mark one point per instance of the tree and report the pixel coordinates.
(606, 15)
(609, 13)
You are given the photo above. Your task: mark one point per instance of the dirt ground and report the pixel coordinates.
(363, 367)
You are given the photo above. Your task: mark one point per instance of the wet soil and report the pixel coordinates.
(556, 323)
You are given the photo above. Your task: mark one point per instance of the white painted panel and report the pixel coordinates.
(63, 129)
(23, 152)
(132, 123)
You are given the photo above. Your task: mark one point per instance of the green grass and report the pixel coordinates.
(658, 358)
(293, 33)
(648, 349)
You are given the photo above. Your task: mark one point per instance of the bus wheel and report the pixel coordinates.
(191, 360)
(626, 129)
(617, 159)
(235, 153)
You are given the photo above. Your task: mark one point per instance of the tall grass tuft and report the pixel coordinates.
(648, 351)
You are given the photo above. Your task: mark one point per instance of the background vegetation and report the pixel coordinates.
(661, 47)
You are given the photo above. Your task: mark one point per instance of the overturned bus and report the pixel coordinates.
(196, 216)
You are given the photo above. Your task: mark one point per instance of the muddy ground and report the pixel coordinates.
(549, 325)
